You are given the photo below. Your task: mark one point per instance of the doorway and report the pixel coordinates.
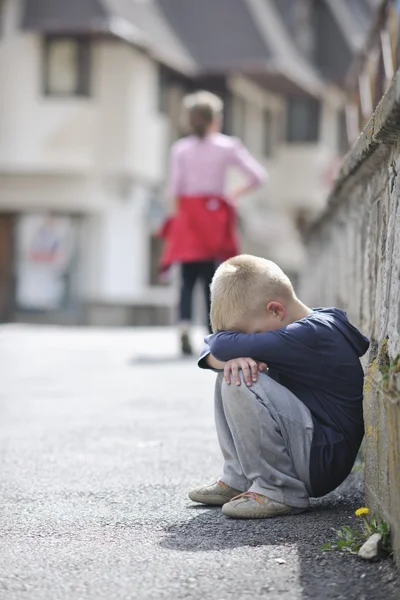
(7, 284)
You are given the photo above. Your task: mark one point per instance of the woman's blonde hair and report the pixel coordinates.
(242, 286)
(201, 109)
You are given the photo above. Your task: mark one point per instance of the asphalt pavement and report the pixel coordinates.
(102, 432)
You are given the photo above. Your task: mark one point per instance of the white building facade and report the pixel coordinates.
(88, 110)
(83, 164)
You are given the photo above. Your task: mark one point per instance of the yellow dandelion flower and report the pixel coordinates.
(361, 511)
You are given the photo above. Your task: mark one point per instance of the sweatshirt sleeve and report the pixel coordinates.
(202, 362)
(205, 351)
(290, 349)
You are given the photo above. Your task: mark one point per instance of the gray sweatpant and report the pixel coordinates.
(265, 434)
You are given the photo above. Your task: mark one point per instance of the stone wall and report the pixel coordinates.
(354, 263)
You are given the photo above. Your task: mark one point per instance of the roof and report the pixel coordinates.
(220, 33)
(246, 35)
(340, 27)
(206, 37)
(74, 15)
(353, 18)
(149, 19)
(286, 60)
(138, 22)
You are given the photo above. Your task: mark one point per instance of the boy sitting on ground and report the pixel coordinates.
(294, 431)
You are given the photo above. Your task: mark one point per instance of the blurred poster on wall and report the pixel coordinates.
(45, 247)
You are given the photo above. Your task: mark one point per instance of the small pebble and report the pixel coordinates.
(372, 547)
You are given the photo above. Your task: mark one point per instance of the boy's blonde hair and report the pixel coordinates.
(242, 286)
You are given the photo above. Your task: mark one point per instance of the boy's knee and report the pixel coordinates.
(266, 384)
(232, 393)
(264, 387)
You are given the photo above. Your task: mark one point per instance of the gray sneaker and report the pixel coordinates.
(216, 494)
(250, 505)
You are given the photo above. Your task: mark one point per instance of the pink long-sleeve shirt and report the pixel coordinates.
(199, 166)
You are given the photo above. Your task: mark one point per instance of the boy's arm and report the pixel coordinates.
(283, 349)
(227, 345)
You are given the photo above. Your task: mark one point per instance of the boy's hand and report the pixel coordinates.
(250, 369)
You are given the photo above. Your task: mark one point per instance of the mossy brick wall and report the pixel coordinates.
(354, 263)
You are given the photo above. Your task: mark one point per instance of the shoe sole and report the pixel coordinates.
(252, 514)
(209, 499)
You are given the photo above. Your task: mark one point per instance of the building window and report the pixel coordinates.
(67, 66)
(268, 134)
(303, 119)
(163, 88)
(239, 118)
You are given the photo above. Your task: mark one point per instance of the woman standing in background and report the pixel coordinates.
(201, 231)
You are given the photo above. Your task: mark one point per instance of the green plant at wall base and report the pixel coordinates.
(347, 540)
(388, 370)
(350, 540)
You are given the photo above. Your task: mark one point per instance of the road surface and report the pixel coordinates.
(102, 433)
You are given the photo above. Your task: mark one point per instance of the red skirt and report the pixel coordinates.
(204, 228)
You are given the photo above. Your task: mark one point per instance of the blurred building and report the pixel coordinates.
(90, 98)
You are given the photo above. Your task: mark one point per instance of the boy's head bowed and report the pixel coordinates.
(250, 294)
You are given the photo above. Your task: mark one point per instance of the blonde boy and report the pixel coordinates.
(291, 424)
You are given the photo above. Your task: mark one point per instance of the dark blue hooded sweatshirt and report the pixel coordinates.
(317, 359)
